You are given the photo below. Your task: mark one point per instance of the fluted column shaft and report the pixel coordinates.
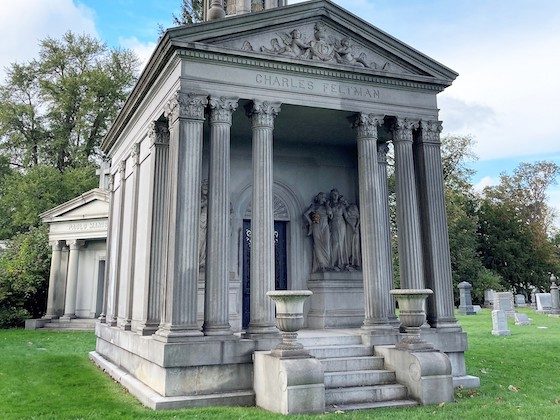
(107, 274)
(408, 214)
(216, 307)
(54, 280)
(119, 244)
(385, 249)
(134, 181)
(156, 258)
(186, 123)
(72, 282)
(262, 320)
(437, 259)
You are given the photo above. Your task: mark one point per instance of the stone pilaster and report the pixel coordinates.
(262, 320)
(408, 214)
(119, 244)
(134, 181)
(72, 280)
(54, 280)
(216, 308)
(437, 259)
(157, 242)
(376, 316)
(107, 274)
(185, 112)
(385, 249)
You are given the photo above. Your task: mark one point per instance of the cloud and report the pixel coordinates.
(487, 181)
(25, 22)
(143, 50)
(454, 112)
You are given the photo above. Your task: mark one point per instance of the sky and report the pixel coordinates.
(507, 54)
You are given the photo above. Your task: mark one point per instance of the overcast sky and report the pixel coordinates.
(506, 52)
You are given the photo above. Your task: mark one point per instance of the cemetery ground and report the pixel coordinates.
(48, 375)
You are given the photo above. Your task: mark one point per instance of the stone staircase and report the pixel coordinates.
(355, 379)
(78, 324)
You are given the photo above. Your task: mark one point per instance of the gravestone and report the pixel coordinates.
(555, 299)
(522, 319)
(465, 299)
(533, 298)
(499, 323)
(544, 302)
(520, 301)
(503, 301)
(489, 297)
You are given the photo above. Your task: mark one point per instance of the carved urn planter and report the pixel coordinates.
(289, 320)
(412, 316)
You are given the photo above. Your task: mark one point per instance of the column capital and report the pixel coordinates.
(135, 154)
(263, 113)
(221, 109)
(57, 245)
(111, 182)
(122, 168)
(382, 150)
(75, 244)
(186, 105)
(403, 127)
(431, 131)
(159, 133)
(366, 124)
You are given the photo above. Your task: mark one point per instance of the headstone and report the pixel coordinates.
(477, 308)
(555, 299)
(503, 301)
(522, 319)
(520, 301)
(499, 323)
(488, 297)
(544, 302)
(533, 298)
(465, 299)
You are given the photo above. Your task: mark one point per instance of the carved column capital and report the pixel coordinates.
(263, 113)
(111, 182)
(431, 131)
(57, 245)
(403, 127)
(366, 125)
(186, 105)
(76, 244)
(159, 133)
(122, 168)
(382, 150)
(135, 154)
(221, 109)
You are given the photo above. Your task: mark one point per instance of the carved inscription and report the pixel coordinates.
(304, 85)
(79, 227)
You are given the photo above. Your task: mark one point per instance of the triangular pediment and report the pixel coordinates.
(93, 204)
(315, 32)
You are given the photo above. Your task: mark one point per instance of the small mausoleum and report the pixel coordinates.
(251, 156)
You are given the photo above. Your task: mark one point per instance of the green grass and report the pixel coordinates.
(48, 375)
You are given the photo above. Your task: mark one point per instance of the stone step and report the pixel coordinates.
(340, 364)
(338, 340)
(359, 378)
(72, 326)
(363, 394)
(329, 352)
(372, 405)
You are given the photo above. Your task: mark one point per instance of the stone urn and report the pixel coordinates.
(412, 316)
(289, 320)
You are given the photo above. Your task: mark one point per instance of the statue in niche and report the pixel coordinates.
(317, 216)
(203, 225)
(334, 226)
(339, 254)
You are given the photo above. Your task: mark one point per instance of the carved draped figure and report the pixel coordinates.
(339, 254)
(353, 236)
(318, 216)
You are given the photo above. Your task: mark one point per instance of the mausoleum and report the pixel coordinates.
(251, 156)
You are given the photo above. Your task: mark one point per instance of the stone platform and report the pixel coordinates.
(76, 324)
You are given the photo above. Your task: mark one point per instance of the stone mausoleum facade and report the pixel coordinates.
(252, 156)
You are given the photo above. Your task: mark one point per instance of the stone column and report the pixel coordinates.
(408, 214)
(106, 282)
(54, 279)
(376, 289)
(134, 181)
(437, 259)
(385, 249)
(72, 281)
(118, 242)
(262, 320)
(216, 307)
(157, 242)
(186, 122)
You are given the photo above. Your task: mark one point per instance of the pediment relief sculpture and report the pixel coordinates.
(334, 227)
(321, 46)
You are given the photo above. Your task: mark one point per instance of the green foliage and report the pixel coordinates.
(24, 273)
(192, 11)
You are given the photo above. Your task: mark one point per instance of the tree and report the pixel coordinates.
(56, 109)
(192, 11)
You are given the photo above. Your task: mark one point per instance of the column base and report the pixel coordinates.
(49, 317)
(102, 318)
(217, 330)
(146, 329)
(112, 322)
(257, 331)
(177, 334)
(67, 317)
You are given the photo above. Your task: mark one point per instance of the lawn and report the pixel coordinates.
(49, 375)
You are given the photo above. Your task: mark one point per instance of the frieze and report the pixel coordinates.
(75, 227)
